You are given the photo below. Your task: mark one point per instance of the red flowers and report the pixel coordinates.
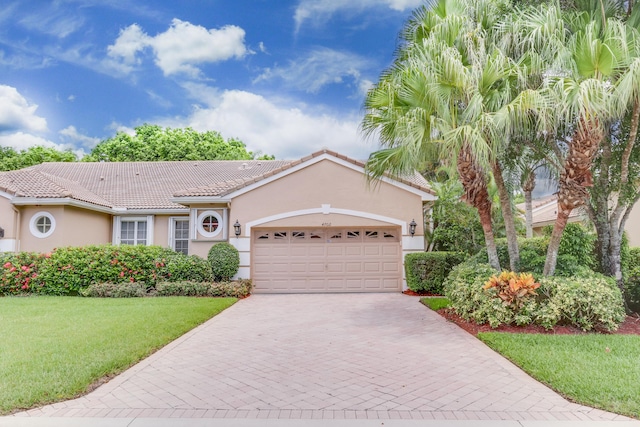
(7, 265)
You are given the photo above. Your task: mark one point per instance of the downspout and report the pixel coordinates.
(16, 227)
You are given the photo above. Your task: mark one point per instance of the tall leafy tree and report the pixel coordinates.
(154, 143)
(11, 159)
(452, 94)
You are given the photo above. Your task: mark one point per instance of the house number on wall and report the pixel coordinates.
(326, 224)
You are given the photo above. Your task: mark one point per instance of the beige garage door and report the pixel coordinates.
(327, 260)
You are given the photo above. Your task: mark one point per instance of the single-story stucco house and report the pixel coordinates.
(545, 210)
(309, 225)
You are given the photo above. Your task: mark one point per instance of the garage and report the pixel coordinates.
(327, 259)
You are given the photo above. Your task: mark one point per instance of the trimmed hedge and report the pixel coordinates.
(115, 290)
(585, 301)
(69, 270)
(427, 271)
(237, 289)
(632, 280)
(225, 261)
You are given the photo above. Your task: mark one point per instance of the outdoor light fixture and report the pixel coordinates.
(412, 227)
(1, 232)
(237, 228)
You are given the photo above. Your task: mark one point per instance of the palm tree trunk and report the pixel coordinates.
(575, 179)
(527, 188)
(507, 214)
(474, 182)
(554, 242)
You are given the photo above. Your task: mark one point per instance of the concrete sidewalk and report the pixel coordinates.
(356, 359)
(200, 422)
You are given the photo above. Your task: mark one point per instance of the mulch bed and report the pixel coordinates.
(631, 325)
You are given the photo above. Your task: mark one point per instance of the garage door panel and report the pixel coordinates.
(317, 250)
(353, 250)
(316, 267)
(390, 267)
(391, 284)
(391, 250)
(327, 260)
(353, 267)
(372, 267)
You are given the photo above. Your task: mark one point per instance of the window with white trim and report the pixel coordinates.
(133, 230)
(210, 224)
(42, 224)
(179, 237)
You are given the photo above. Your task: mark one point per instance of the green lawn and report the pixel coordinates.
(436, 303)
(53, 348)
(602, 371)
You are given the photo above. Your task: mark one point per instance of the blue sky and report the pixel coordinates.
(286, 77)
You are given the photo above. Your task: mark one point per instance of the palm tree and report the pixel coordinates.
(585, 58)
(452, 94)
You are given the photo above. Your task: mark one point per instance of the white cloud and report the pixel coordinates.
(181, 48)
(71, 134)
(53, 20)
(321, 67)
(320, 11)
(282, 130)
(17, 114)
(22, 141)
(130, 41)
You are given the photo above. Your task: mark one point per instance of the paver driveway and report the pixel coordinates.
(326, 356)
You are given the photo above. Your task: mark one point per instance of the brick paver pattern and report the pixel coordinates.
(382, 356)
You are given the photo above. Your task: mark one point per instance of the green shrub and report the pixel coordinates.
(237, 289)
(632, 280)
(192, 268)
(464, 288)
(115, 290)
(426, 271)
(70, 269)
(225, 261)
(586, 301)
(183, 289)
(593, 302)
(575, 255)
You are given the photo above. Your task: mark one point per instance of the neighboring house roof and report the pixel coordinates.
(545, 211)
(152, 185)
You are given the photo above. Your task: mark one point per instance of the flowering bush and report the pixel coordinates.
(20, 273)
(68, 270)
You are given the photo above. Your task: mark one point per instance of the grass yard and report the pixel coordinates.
(53, 348)
(602, 371)
(436, 303)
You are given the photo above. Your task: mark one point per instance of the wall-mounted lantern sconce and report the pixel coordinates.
(412, 227)
(237, 228)
(1, 232)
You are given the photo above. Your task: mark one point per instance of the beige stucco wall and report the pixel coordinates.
(74, 227)
(161, 230)
(7, 218)
(632, 227)
(326, 183)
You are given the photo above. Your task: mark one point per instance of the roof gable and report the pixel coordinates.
(163, 185)
(231, 189)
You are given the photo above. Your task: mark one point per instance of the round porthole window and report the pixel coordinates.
(42, 224)
(209, 223)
